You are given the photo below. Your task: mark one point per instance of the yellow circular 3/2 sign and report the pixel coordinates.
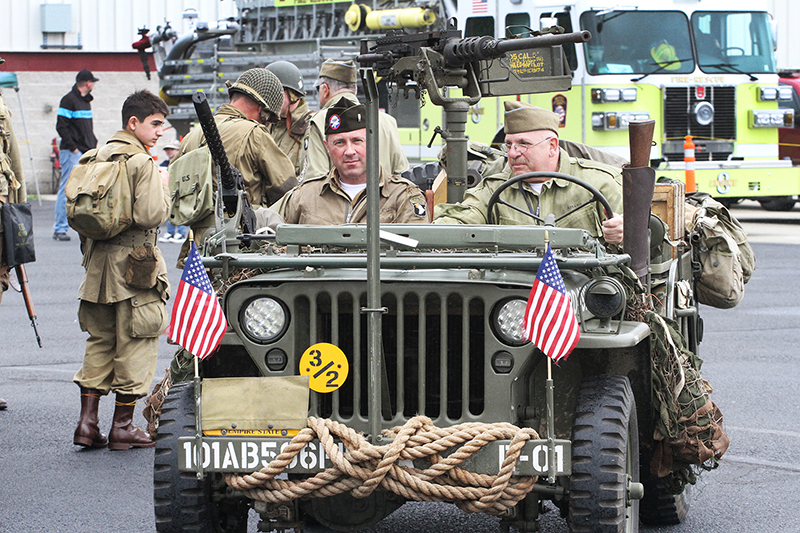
(326, 367)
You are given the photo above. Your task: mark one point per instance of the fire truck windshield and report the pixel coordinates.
(637, 42)
(733, 42)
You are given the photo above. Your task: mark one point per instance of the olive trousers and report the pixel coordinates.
(122, 348)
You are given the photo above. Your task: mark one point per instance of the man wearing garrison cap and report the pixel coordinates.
(532, 145)
(339, 197)
(337, 82)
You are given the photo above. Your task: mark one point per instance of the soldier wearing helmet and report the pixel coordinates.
(255, 102)
(289, 131)
(337, 82)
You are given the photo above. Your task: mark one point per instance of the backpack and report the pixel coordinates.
(726, 260)
(191, 185)
(99, 202)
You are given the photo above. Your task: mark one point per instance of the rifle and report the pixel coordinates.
(231, 183)
(22, 277)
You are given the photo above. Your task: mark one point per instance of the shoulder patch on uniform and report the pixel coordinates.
(420, 209)
(597, 165)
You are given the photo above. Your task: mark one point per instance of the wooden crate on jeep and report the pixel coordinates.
(669, 206)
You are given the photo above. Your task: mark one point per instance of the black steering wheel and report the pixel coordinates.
(597, 196)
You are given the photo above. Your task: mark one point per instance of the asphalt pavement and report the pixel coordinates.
(49, 485)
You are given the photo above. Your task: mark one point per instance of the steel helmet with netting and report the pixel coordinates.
(262, 86)
(289, 74)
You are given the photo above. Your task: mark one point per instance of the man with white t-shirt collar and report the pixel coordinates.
(340, 196)
(531, 146)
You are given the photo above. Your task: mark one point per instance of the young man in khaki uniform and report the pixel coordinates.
(337, 81)
(12, 185)
(289, 131)
(124, 322)
(532, 145)
(340, 196)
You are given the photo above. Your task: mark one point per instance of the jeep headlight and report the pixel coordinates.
(604, 297)
(508, 322)
(264, 319)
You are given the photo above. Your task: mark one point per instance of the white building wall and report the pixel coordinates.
(101, 25)
(786, 14)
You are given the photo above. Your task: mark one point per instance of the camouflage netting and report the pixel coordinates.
(688, 432)
(688, 425)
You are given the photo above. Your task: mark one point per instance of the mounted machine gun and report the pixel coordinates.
(435, 62)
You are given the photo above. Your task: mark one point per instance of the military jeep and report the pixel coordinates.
(367, 366)
(451, 349)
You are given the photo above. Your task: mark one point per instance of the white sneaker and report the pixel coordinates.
(167, 237)
(177, 238)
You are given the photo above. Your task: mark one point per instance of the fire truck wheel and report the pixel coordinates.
(778, 204)
(605, 458)
(182, 502)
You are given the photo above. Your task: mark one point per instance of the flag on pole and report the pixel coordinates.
(197, 321)
(549, 319)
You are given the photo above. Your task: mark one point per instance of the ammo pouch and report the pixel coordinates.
(142, 270)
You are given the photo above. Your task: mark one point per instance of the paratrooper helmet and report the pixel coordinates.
(262, 86)
(289, 74)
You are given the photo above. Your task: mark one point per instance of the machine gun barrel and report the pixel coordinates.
(213, 140)
(231, 183)
(458, 52)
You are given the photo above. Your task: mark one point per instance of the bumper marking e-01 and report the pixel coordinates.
(248, 454)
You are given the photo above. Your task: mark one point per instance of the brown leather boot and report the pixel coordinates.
(124, 435)
(88, 433)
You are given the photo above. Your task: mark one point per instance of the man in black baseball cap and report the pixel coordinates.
(85, 75)
(75, 127)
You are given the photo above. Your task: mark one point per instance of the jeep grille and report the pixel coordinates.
(433, 343)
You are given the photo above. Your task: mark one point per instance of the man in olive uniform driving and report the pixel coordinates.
(532, 145)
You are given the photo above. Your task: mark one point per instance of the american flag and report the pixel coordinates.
(197, 321)
(480, 6)
(549, 319)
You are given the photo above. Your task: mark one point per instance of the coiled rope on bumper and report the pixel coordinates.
(365, 467)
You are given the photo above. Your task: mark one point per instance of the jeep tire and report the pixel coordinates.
(605, 457)
(182, 502)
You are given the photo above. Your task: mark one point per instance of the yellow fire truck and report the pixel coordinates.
(705, 69)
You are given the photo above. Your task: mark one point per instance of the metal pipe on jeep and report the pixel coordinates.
(638, 182)
(373, 309)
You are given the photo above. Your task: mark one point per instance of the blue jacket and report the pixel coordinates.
(74, 123)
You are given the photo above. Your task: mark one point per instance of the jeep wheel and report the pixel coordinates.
(182, 502)
(659, 507)
(605, 458)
